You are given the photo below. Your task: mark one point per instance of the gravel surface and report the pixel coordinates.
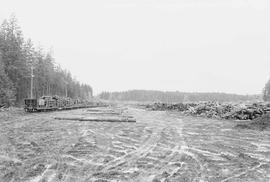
(160, 146)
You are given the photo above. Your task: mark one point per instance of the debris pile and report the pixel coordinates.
(261, 123)
(216, 109)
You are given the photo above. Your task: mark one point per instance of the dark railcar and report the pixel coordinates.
(44, 103)
(30, 105)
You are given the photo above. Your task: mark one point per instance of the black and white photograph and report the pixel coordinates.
(135, 91)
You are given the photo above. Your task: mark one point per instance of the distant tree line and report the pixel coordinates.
(17, 56)
(173, 97)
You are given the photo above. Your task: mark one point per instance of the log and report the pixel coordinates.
(127, 119)
(108, 120)
(105, 113)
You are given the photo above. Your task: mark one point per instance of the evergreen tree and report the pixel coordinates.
(12, 55)
(266, 91)
(17, 58)
(6, 87)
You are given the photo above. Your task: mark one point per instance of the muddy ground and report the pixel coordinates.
(160, 146)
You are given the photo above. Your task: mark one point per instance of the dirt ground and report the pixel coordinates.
(160, 146)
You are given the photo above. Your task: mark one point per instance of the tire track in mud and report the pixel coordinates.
(160, 146)
(184, 147)
(145, 146)
(130, 157)
(180, 151)
(167, 136)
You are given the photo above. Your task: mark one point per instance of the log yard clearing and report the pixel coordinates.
(136, 145)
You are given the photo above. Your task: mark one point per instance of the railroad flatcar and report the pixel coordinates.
(50, 103)
(44, 103)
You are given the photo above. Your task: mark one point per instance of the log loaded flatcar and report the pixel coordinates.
(50, 103)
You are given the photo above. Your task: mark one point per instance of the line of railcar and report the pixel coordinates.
(52, 103)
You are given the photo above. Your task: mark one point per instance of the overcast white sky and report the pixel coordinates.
(185, 45)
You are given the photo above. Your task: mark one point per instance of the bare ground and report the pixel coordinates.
(160, 146)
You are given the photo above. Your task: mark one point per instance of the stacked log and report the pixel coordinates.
(216, 109)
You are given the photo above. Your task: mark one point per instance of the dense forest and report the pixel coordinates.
(17, 56)
(174, 97)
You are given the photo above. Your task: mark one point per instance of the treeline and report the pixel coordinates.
(17, 56)
(174, 97)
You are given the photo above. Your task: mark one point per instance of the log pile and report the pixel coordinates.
(216, 109)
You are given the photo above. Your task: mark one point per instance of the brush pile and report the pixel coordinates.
(262, 123)
(216, 109)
